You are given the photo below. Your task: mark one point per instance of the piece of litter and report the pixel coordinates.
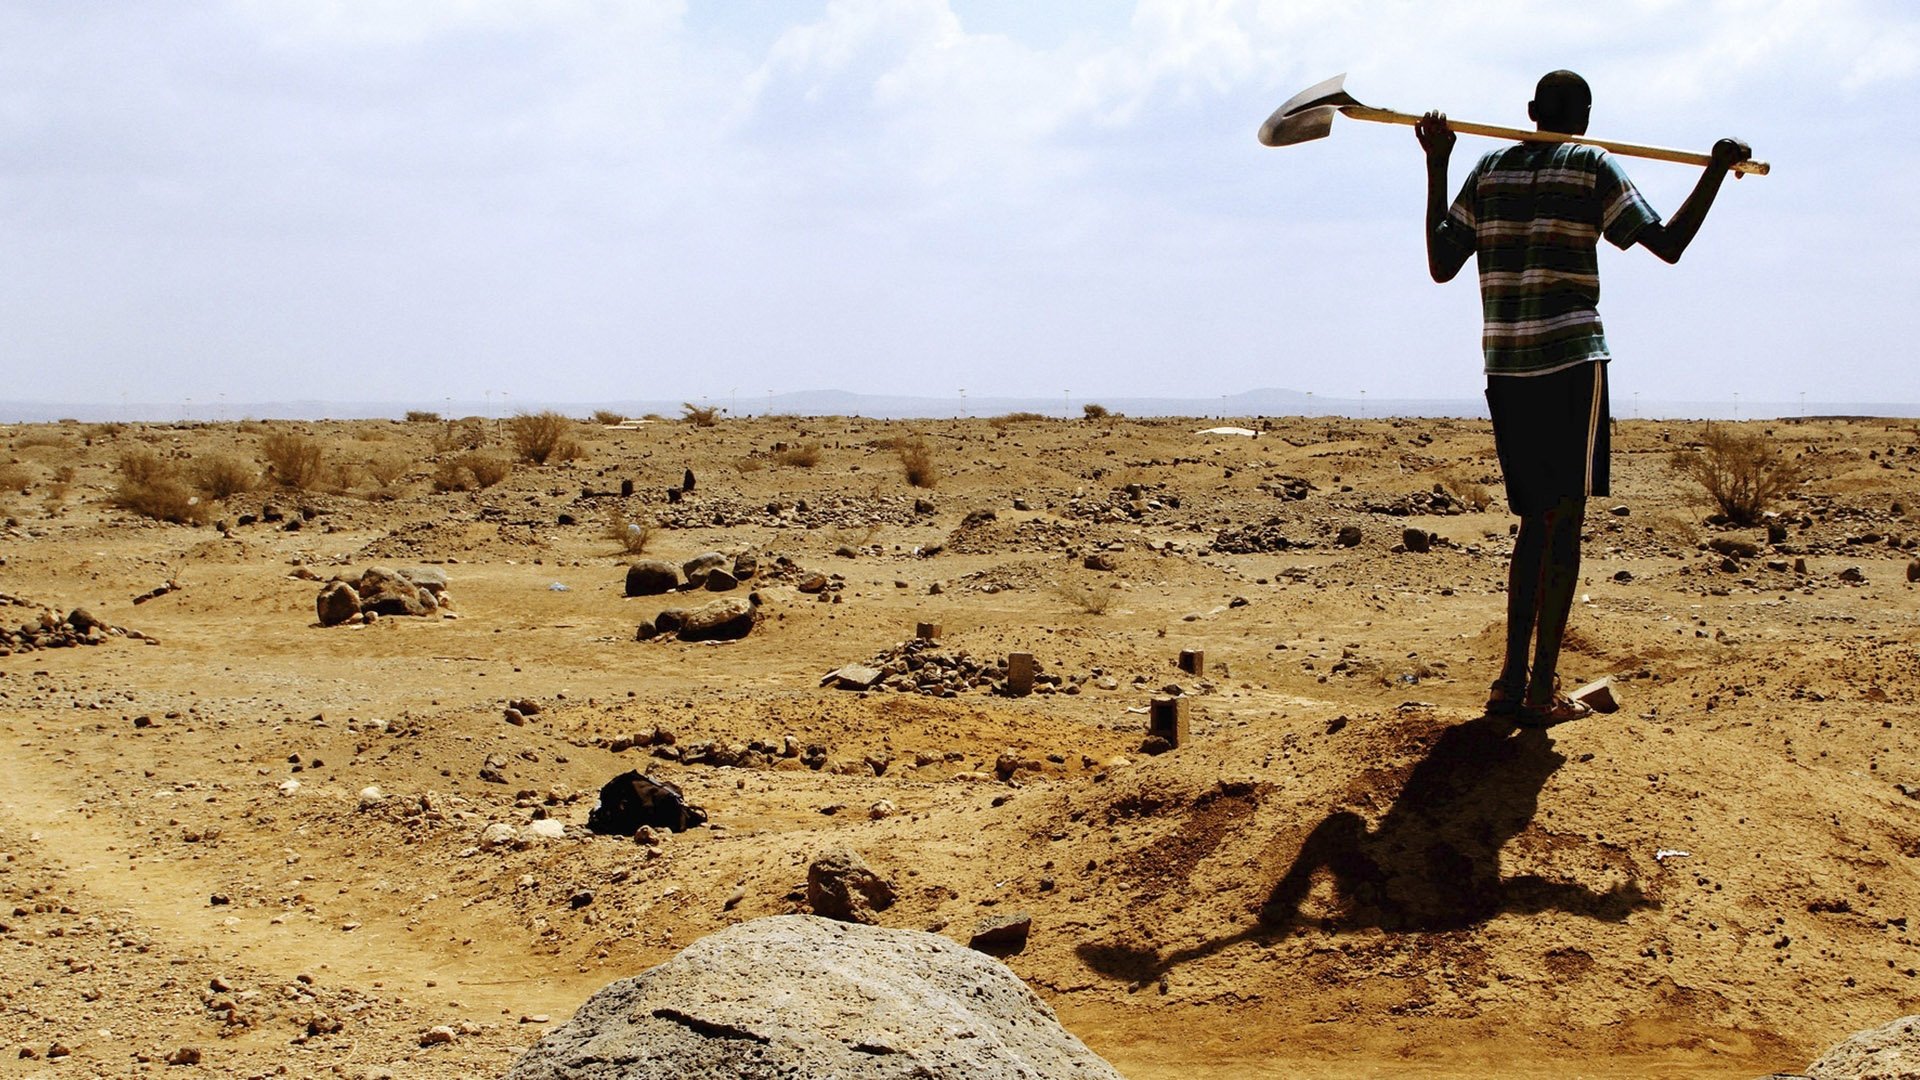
(1670, 853)
(558, 587)
(1138, 708)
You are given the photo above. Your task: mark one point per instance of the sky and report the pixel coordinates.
(600, 200)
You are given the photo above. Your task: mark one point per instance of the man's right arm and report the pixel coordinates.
(1444, 259)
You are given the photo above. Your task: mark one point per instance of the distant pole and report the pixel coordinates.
(1309, 403)
(769, 401)
(1066, 404)
(1803, 404)
(1736, 404)
(1363, 404)
(1636, 404)
(733, 401)
(963, 401)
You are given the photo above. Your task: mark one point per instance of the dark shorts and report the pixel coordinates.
(1551, 434)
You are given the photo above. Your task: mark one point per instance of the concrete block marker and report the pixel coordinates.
(1167, 718)
(927, 631)
(1020, 670)
(1194, 662)
(1598, 695)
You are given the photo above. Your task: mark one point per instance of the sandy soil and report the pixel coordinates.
(1347, 871)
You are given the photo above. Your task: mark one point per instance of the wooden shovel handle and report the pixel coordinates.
(1467, 127)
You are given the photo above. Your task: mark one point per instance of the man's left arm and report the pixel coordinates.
(1670, 240)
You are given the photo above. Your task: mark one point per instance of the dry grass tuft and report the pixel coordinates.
(15, 478)
(1466, 490)
(151, 486)
(632, 535)
(537, 437)
(386, 467)
(699, 415)
(608, 418)
(52, 439)
(294, 460)
(916, 457)
(468, 434)
(804, 456)
(222, 476)
(471, 471)
(1743, 474)
(422, 416)
(1092, 598)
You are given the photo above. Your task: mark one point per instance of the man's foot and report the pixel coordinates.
(1506, 696)
(1557, 711)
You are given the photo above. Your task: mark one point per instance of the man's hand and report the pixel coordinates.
(1730, 152)
(1436, 138)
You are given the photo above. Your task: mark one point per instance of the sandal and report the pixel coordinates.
(1558, 711)
(1506, 698)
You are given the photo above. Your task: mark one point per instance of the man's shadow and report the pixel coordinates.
(1432, 863)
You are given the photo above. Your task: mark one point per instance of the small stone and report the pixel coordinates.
(437, 1036)
(186, 1055)
(1002, 934)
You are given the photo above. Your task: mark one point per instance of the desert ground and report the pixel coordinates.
(233, 837)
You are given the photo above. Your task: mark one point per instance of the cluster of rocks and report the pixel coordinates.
(1291, 488)
(979, 534)
(47, 630)
(1269, 535)
(922, 666)
(1133, 502)
(814, 512)
(381, 591)
(1437, 501)
(714, 571)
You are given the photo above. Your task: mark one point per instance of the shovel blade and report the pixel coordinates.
(1285, 128)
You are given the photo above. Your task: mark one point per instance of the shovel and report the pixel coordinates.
(1308, 115)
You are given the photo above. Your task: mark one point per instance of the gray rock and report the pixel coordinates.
(1002, 934)
(801, 998)
(720, 579)
(719, 620)
(431, 578)
(697, 568)
(841, 886)
(337, 602)
(745, 565)
(651, 577)
(1348, 536)
(1888, 1052)
(388, 592)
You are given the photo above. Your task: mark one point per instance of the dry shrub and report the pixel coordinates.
(632, 535)
(222, 476)
(1743, 474)
(699, 415)
(536, 436)
(1003, 421)
(294, 460)
(1094, 599)
(151, 486)
(422, 416)
(608, 418)
(387, 467)
(105, 431)
(15, 478)
(916, 457)
(470, 471)
(364, 433)
(1094, 411)
(1467, 491)
(468, 434)
(804, 456)
(748, 464)
(52, 439)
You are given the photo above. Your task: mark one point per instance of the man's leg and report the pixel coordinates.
(1523, 597)
(1559, 576)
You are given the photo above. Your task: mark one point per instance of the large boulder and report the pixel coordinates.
(337, 602)
(431, 578)
(718, 620)
(1888, 1052)
(651, 577)
(388, 592)
(801, 998)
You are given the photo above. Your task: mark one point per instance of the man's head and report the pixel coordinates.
(1561, 103)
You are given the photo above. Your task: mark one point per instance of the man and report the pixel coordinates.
(1534, 213)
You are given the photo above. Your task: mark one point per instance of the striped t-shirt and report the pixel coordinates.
(1534, 213)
